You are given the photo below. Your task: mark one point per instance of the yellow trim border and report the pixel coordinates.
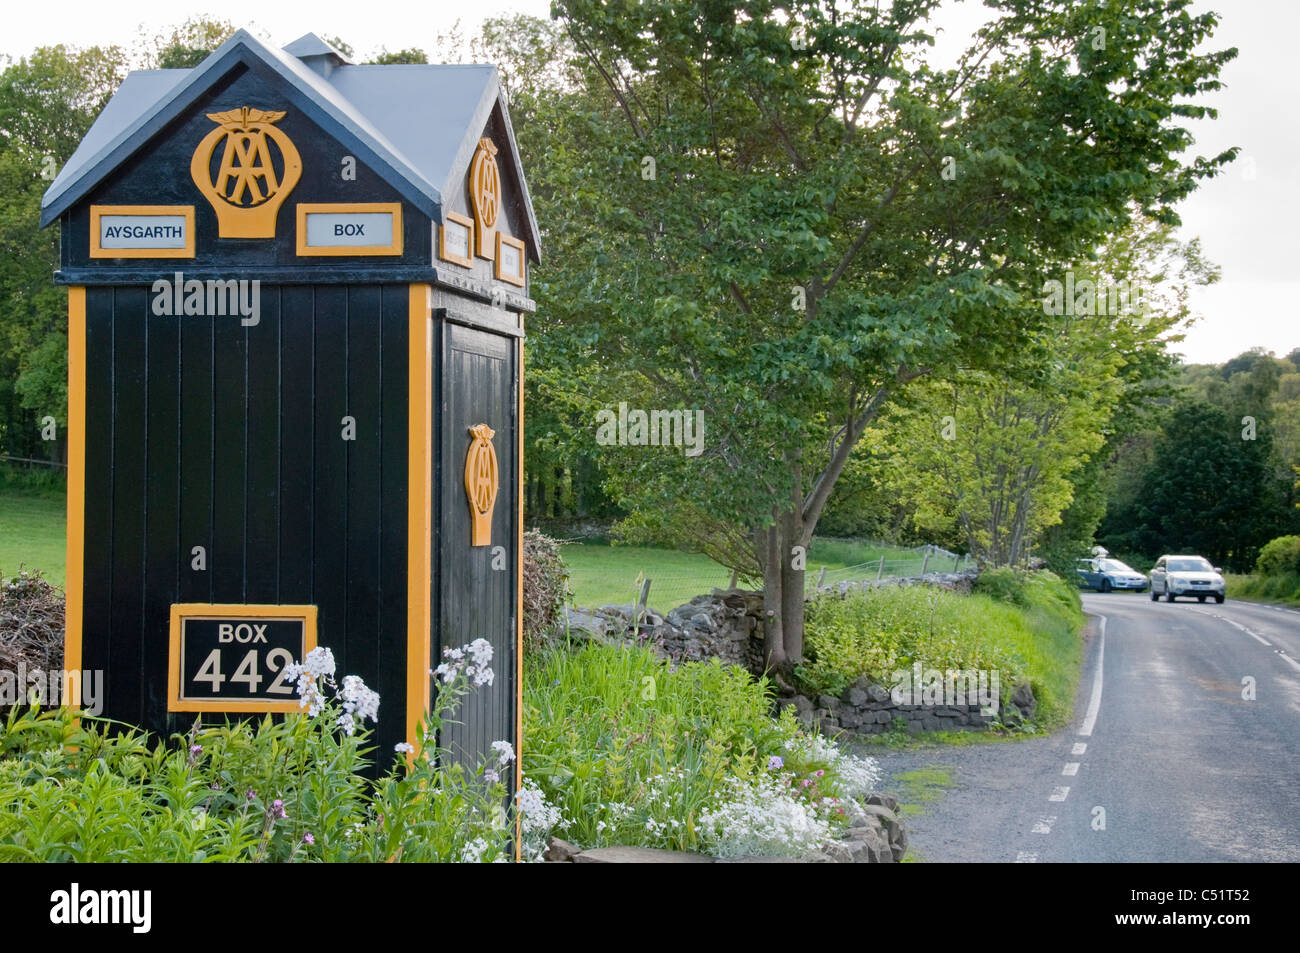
(523, 260)
(419, 538)
(338, 251)
(468, 223)
(519, 604)
(181, 611)
(74, 580)
(97, 212)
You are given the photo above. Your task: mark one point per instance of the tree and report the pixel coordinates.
(780, 216)
(1210, 490)
(47, 103)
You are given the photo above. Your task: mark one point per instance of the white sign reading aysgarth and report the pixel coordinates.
(142, 231)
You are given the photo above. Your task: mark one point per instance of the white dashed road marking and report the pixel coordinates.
(1071, 769)
(1044, 825)
(1079, 747)
(1059, 794)
(1025, 857)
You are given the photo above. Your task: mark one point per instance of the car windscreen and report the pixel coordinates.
(1114, 565)
(1189, 565)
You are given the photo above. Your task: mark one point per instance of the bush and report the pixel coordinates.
(633, 751)
(1022, 625)
(1279, 557)
(77, 788)
(31, 625)
(546, 587)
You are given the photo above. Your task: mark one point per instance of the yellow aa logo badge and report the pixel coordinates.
(257, 168)
(485, 196)
(482, 478)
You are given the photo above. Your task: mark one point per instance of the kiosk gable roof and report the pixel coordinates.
(420, 124)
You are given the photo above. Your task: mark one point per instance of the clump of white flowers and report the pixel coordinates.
(315, 672)
(504, 751)
(317, 667)
(359, 703)
(471, 660)
(762, 817)
(857, 777)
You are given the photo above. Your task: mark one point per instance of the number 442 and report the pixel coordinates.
(247, 672)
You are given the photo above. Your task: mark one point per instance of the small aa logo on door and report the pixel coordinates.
(482, 479)
(246, 168)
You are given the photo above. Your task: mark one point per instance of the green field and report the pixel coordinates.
(32, 531)
(32, 534)
(601, 573)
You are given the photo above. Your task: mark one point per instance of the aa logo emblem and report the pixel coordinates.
(485, 196)
(246, 168)
(482, 478)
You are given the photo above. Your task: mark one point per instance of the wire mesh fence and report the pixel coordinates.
(606, 582)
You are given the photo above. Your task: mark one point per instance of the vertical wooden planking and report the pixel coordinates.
(130, 447)
(262, 472)
(364, 376)
(297, 497)
(196, 460)
(97, 600)
(230, 405)
(476, 599)
(330, 516)
(162, 560)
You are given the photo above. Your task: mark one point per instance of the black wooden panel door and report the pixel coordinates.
(478, 583)
(276, 452)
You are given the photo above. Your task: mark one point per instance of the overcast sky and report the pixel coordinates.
(1246, 218)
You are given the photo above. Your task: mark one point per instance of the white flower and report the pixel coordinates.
(491, 776)
(403, 748)
(505, 752)
(761, 817)
(473, 852)
(537, 816)
(481, 651)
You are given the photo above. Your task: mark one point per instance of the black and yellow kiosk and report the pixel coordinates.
(296, 299)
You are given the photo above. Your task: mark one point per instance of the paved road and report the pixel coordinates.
(1183, 765)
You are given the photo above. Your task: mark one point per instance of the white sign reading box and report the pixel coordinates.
(374, 229)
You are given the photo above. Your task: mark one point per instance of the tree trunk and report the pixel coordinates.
(792, 588)
(774, 658)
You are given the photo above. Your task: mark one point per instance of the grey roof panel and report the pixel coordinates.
(134, 99)
(309, 44)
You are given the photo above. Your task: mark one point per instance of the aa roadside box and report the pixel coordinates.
(296, 292)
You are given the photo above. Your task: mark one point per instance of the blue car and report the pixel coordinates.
(1104, 574)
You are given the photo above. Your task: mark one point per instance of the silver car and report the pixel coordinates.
(1174, 576)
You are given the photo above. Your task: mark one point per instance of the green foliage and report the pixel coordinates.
(1023, 625)
(633, 751)
(1281, 587)
(292, 789)
(875, 632)
(1279, 557)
